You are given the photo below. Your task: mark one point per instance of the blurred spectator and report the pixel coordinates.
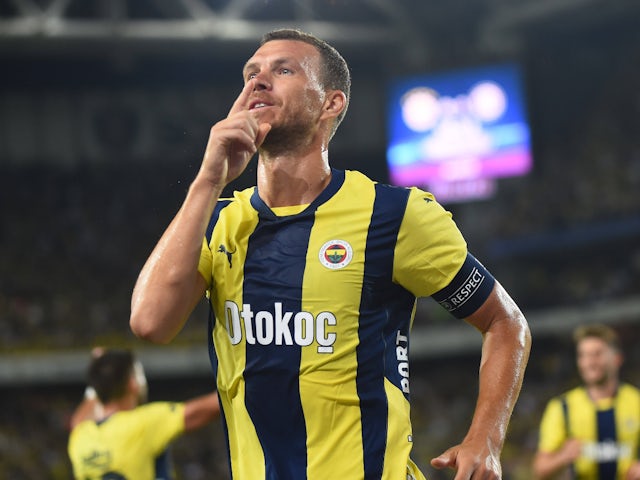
(592, 430)
(116, 433)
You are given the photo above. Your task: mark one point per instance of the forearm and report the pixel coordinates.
(547, 465)
(634, 472)
(505, 353)
(89, 409)
(166, 289)
(200, 411)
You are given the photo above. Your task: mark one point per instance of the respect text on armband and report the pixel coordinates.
(279, 327)
(464, 292)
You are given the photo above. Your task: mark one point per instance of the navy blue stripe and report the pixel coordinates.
(163, 466)
(385, 312)
(337, 179)
(607, 433)
(273, 272)
(213, 358)
(214, 217)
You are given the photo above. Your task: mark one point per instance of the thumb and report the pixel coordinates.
(447, 459)
(263, 130)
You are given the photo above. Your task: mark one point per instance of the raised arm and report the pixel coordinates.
(200, 411)
(169, 285)
(505, 352)
(89, 408)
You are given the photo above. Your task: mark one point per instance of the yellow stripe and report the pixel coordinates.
(398, 443)
(328, 384)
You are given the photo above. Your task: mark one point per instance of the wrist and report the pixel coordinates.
(203, 185)
(90, 393)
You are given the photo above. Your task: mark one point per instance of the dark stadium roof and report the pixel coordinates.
(412, 33)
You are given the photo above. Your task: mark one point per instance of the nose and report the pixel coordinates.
(261, 81)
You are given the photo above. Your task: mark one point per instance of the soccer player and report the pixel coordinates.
(115, 436)
(592, 430)
(312, 278)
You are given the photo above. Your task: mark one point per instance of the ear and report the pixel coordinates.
(334, 104)
(619, 359)
(132, 385)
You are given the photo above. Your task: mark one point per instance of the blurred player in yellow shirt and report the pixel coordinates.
(116, 435)
(593, 430)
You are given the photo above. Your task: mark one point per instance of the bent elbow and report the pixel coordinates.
(146, 329)
(524, 332)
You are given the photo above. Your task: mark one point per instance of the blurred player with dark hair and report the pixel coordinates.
(312, 278)
(116, 435)
(593, 430)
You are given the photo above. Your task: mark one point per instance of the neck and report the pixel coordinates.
(126, 403)
(603, 391)
(293, 179)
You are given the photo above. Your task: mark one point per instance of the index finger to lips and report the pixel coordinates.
(241, 102)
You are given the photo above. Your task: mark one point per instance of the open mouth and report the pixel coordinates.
(258, 105)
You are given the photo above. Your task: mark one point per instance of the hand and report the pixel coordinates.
(471, 460)
(233, 141)
(97, 351)
(571, 450)
(634, 472)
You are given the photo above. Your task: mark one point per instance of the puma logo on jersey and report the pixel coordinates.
(223, 249)
(279, 327)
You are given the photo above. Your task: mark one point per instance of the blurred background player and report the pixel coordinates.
(114, 434)
(592, 431)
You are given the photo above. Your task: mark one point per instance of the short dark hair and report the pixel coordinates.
(335, 73)
(603, 332)
(109, 374)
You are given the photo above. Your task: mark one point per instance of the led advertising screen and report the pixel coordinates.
(453, 133)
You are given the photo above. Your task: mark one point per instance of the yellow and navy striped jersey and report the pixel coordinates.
(609, 431)
(312, 310)
(128, 445)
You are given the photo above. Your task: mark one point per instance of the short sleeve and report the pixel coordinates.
(430, 249)
(552, 427)
(164, 421)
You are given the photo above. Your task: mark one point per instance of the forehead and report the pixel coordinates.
(589, 344)
(286, 50)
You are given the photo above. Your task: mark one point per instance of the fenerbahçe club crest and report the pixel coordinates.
(335, 254)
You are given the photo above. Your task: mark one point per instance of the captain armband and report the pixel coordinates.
(468, 290)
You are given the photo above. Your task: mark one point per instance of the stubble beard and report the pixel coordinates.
(284, 139)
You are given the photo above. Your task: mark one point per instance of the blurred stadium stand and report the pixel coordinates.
(104, 111)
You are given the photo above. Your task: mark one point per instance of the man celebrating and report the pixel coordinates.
(312, 278)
